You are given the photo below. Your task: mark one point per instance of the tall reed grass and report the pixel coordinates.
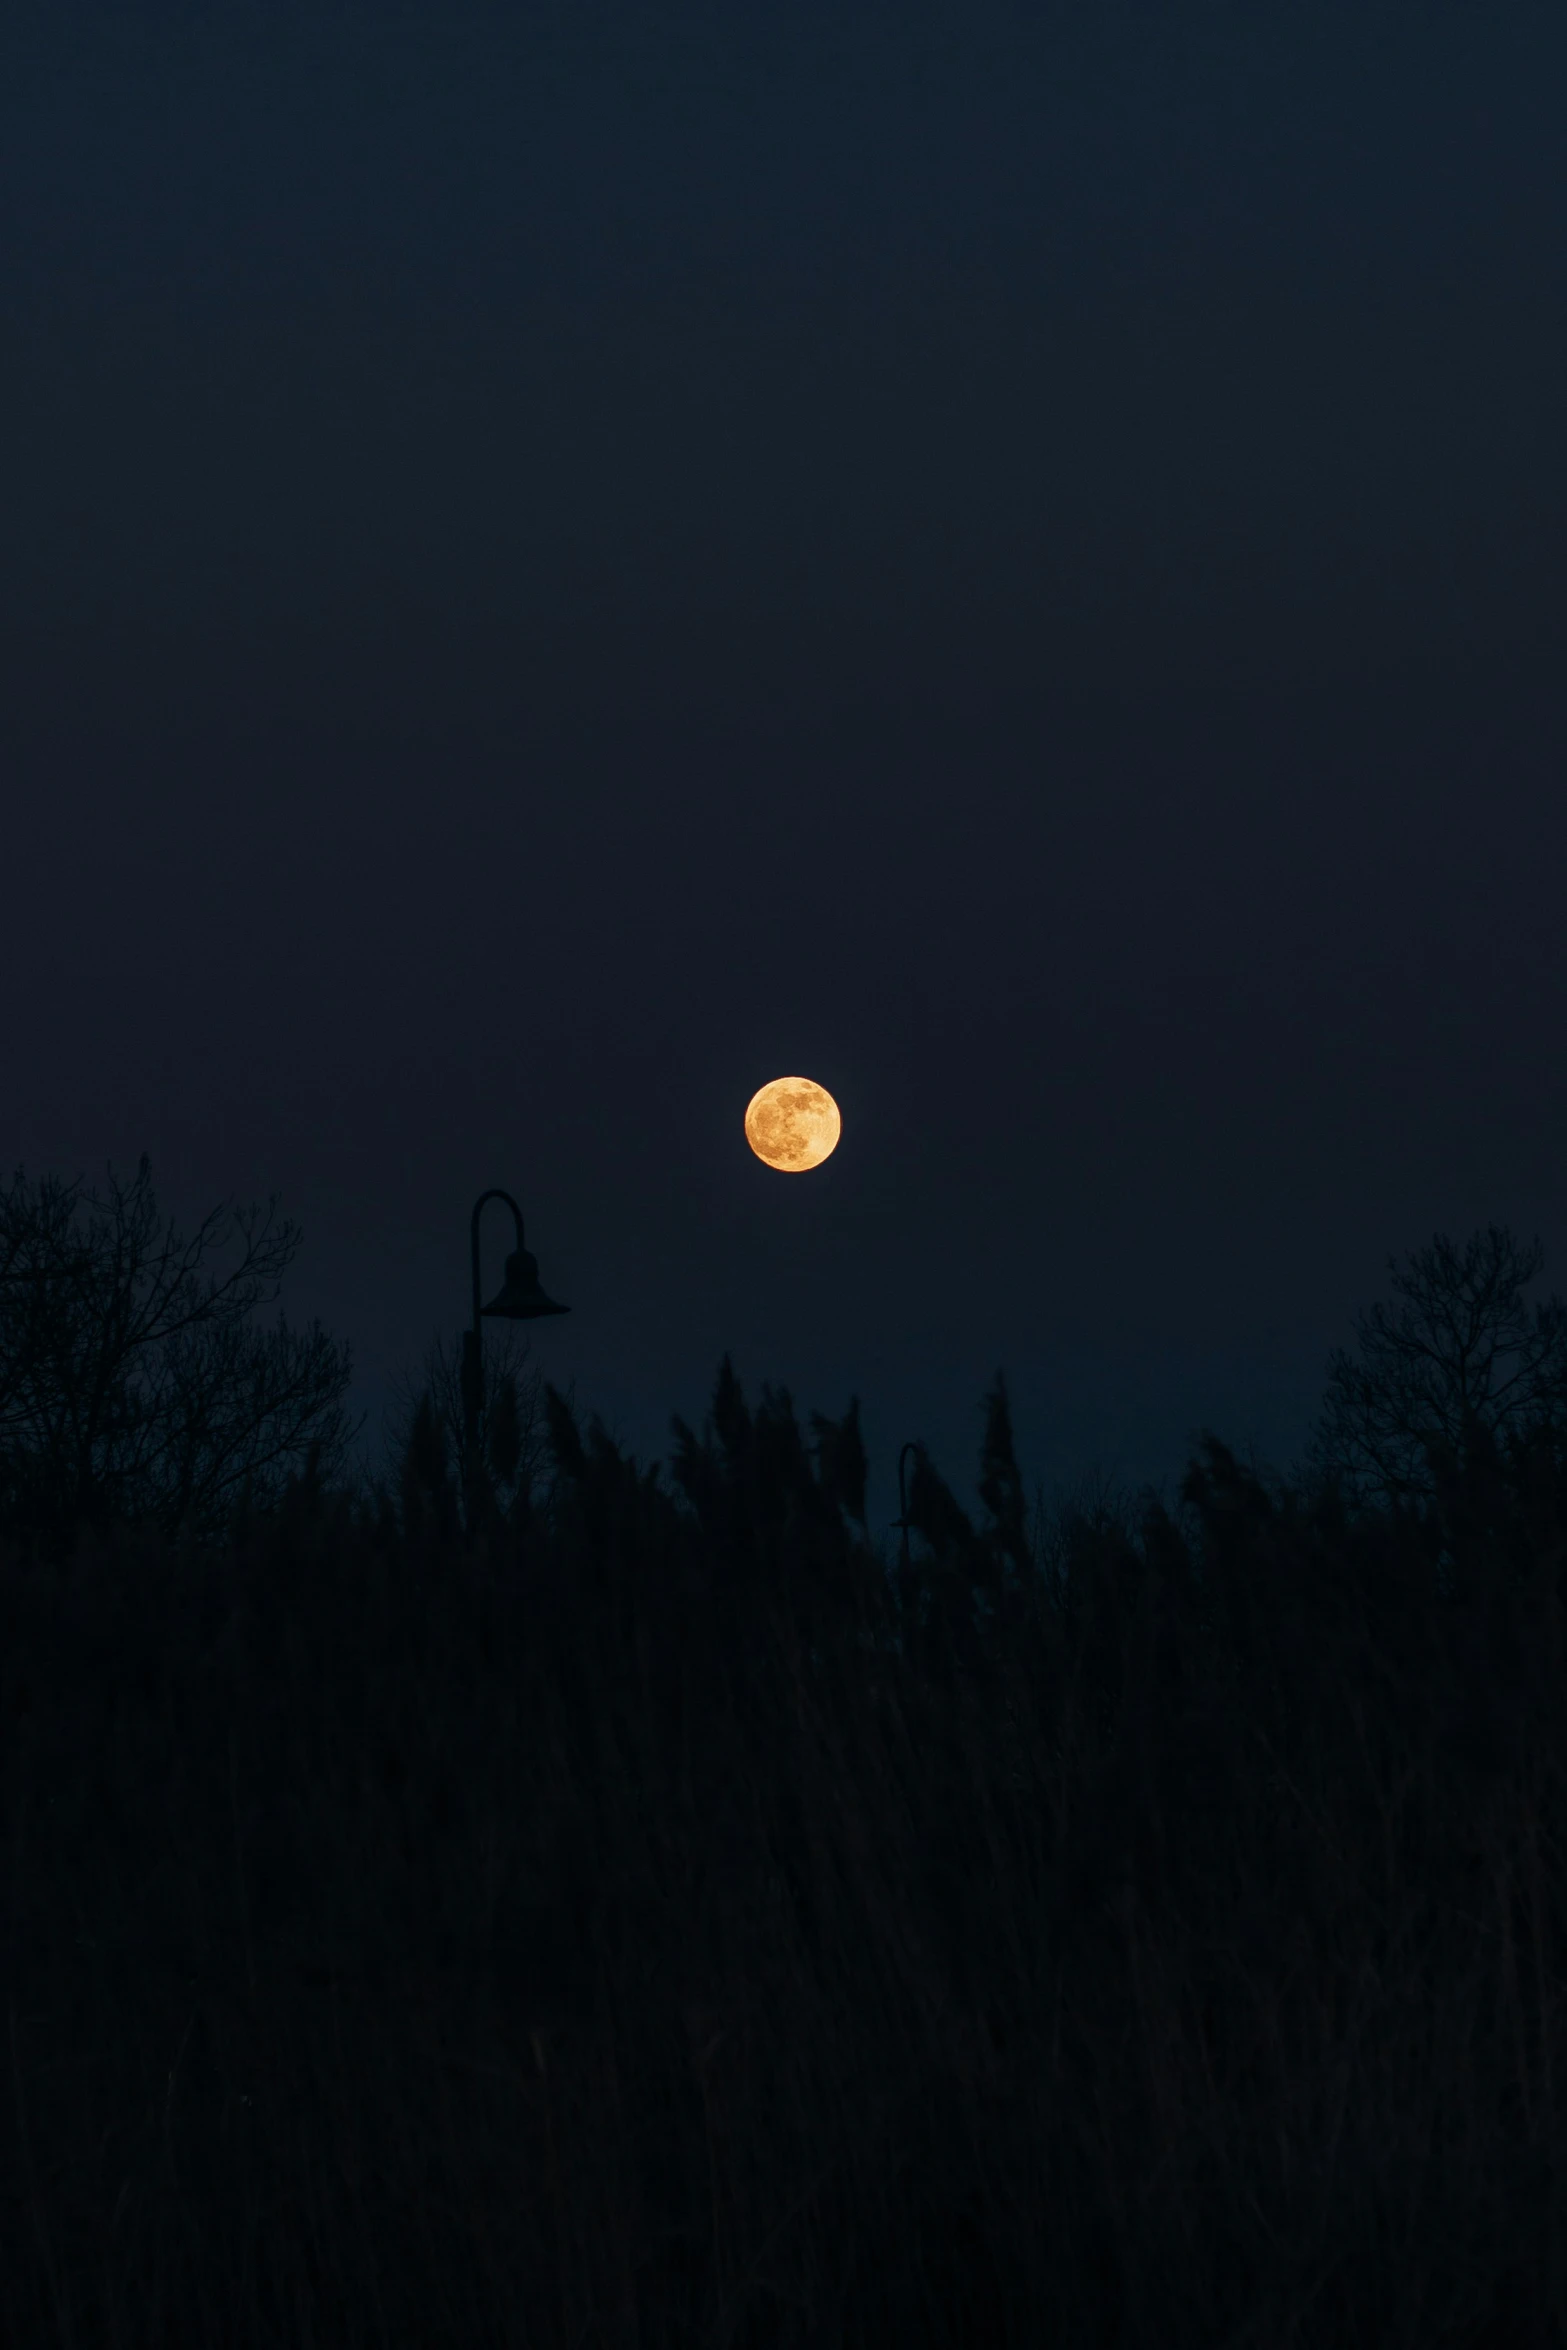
(660, 1920)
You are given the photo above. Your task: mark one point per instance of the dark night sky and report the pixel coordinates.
(563, 561)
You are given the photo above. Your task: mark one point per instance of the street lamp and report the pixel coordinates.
(519, 1299)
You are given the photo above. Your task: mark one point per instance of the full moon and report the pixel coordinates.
(792, 1124)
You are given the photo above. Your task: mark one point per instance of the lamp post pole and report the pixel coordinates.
(902, 1518)
(519, 1299)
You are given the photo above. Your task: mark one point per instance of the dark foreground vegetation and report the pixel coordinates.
(660, 1920)
(522, 1899)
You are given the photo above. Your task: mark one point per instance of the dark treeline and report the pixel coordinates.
(544, 1900)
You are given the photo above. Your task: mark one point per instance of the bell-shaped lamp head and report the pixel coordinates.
(520, 1298)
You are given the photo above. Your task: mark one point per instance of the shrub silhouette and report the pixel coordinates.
(653, 1923)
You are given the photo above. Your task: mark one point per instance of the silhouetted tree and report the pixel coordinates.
(752, 1470)
(776, 1521)
(130, 1390)
(936, 1594)
(841, 1464)
(1460, 1353)
(425, 1486)
(731, 1419)
(1001, 1483)
(32, 1301)
(600, 1498)
(427, 1435)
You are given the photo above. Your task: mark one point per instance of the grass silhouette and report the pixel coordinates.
(659, 1918)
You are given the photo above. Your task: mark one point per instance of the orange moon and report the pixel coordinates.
(792, 1124)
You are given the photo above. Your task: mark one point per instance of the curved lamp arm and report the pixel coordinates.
(517, 1215)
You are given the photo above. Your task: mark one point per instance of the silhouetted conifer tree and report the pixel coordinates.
(937, 1596)
(565, 1440)
(511, 1436)
(1001, 1483)
(731, 1420)
(426, 1486)
(841, 1464)
(504, 1448)
(751, 1470)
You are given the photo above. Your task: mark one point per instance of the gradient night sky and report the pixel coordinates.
(560, 562)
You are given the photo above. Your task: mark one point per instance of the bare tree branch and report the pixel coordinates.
(1460, 1348)
(131, 1385)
